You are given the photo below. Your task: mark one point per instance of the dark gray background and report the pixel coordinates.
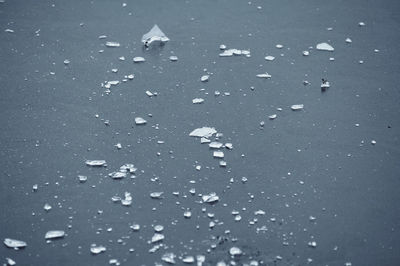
(48, 130)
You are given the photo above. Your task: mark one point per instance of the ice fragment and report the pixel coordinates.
(154, 35)
(204, 132)
(325, 47)
(13, 243)
(54, 234)
(112, 44)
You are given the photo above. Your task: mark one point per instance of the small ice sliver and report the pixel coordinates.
(155, 34)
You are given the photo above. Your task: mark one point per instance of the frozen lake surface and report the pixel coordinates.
(259, 133)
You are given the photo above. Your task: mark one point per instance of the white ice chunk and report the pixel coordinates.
(325, 47)
(259, 212)
(325, 85)
(215, 145)
(226, 53)
(156, 195)
(82, 178)
(203, 132)
(198, 100)
(210, 198)
(188, 259)
(13, 243)
(264, 75)
(205, 78)
(95, 162)
(97, 249)
(54, 234)
(128, 199)
(296, 107)
(155, 34)
(158, 228)
(229, 146)
(235, 251)
(113, 44)
(10, 261)
(138, 59)
(117, 175)
(204, 140)
(157, 237)
(169, 257)
(140, 121)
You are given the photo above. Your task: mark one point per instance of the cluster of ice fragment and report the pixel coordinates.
(210, 198)
(231, 52)
(204, 133)
(123, 171)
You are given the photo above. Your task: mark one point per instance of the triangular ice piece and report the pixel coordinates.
(155, 34)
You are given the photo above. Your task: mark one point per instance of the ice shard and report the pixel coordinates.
(155, 34)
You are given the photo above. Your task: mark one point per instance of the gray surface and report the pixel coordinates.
(49, 128)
